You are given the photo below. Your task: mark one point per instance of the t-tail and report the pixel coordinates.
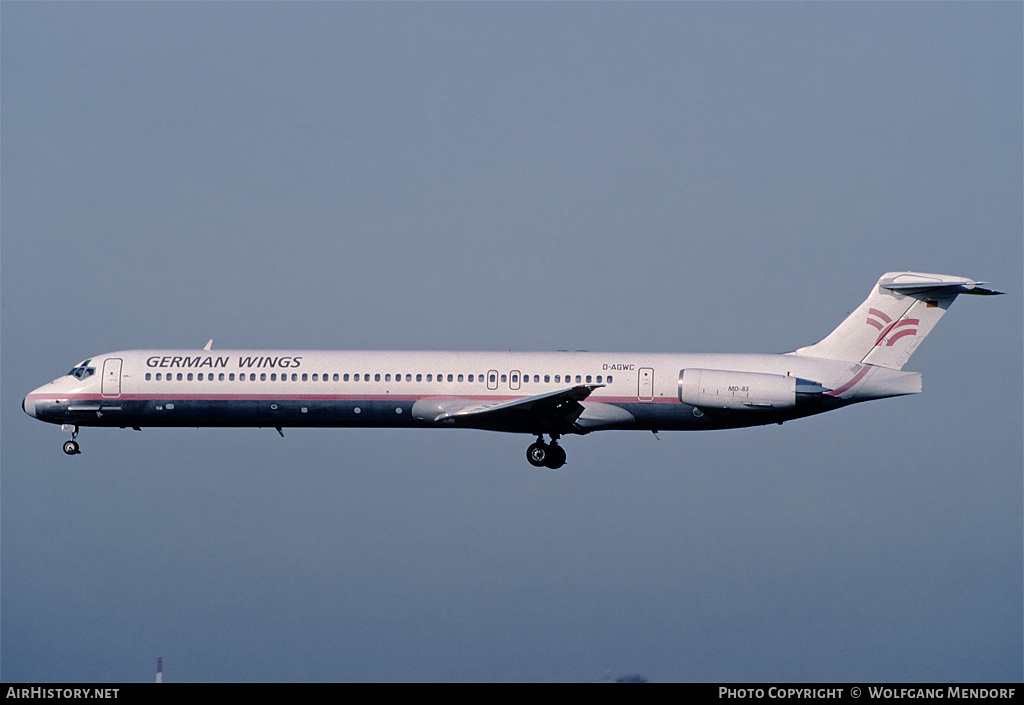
(900, 311)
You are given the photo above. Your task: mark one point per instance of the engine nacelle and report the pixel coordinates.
(746, 391)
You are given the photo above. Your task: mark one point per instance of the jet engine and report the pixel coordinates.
(747, 391)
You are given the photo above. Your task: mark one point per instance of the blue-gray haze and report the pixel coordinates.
(669, 177)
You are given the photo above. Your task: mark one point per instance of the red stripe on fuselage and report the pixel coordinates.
(322, 397)
(856, 378)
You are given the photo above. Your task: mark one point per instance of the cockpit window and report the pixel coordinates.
(82, 370)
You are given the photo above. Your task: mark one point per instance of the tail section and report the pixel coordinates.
(900, 311)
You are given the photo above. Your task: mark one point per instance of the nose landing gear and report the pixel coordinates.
(546, 455)
(71, 447)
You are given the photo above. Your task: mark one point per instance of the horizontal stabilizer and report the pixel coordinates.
(963, 286)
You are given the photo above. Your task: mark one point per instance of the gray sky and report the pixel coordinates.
(670, 177)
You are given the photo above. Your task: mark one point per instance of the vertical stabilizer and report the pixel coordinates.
(900, 311)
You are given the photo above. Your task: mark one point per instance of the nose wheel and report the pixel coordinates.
(546, 455)
(71, 447)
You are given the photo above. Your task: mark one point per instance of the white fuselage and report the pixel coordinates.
(278, 388)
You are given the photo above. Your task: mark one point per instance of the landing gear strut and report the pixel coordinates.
(546, 455)
(71, 447)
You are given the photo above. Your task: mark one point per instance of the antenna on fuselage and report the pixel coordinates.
(209, 344)
(160, 670)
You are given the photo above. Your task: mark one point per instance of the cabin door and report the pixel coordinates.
(645, 384)
(112, 377)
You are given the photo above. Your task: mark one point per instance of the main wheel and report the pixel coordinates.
(538, 454)
(71, 448)
(556, 457)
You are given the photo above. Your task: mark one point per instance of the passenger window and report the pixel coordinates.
(492, 378)
(504, 378)
(588, 379)
(179, 376)
(189, 376)
(449, 378)
(470, 378)
(460, 378)
(419, 378)
(430, 378)
(577, 379)
(558, 379)
(148, 375)
(263, 376)
(387, 378)
(609, 380)
(316, 377)
(376, 377)
(547, 378)
(599, 379)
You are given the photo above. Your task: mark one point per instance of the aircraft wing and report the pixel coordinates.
(552, 411)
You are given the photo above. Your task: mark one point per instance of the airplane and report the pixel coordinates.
(537, 393)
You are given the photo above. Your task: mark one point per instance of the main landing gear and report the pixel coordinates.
(546, 455)
(71, 447)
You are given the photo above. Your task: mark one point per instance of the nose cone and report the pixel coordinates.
(28, 405)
